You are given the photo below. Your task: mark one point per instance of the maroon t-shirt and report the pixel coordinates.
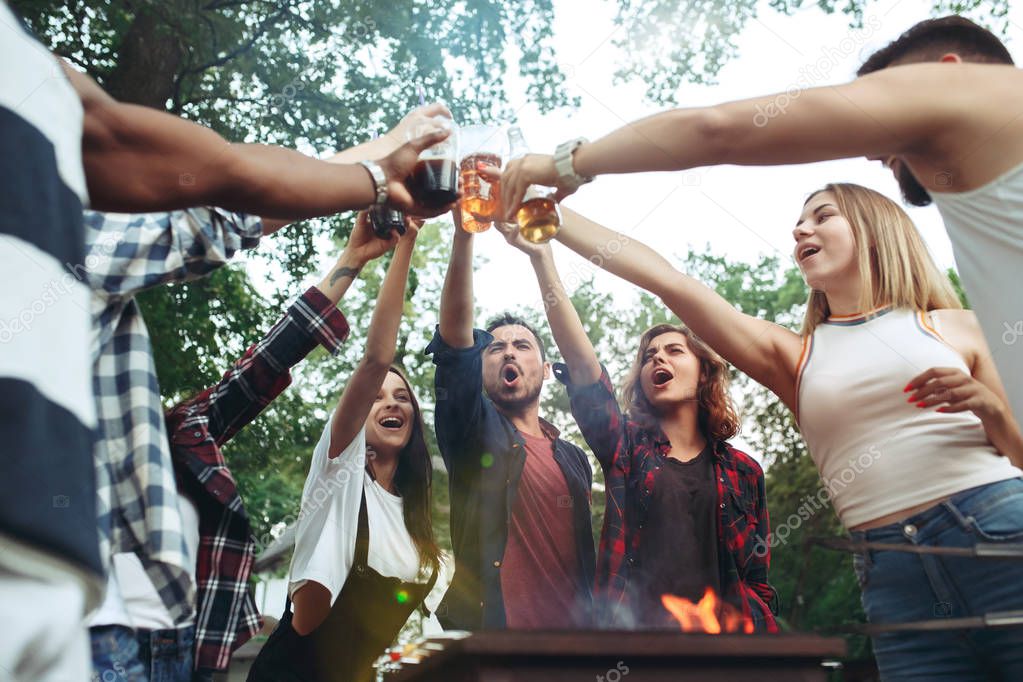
(540, 570)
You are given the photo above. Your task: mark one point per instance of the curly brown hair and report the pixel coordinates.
(717, 415)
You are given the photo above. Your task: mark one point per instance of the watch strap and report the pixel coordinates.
(567, 175)
(379, 181)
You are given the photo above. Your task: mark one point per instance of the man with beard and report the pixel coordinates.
(520, 505)
(940, 106)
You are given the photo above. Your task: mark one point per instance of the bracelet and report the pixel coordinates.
(376, 173)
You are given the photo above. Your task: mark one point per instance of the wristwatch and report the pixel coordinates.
(567, 177)
(379, 181)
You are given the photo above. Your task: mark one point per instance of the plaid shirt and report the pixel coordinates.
(226, 616)
(632, 457)
(137, 504)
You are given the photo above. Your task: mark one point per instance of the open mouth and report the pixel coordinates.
(393, 423)
(510, 375)
(808, 251)
(661, 377)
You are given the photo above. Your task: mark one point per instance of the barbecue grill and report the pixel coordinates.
(613, 656)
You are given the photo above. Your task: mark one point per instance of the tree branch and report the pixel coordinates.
(246, 46)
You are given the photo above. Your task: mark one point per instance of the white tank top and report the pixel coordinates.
(985, 226)
(877, 453)
(329, 520)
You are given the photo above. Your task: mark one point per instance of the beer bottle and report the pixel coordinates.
(537, 217)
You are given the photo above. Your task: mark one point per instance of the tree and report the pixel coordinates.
(666, 43)
(270, 458)
(326, 74)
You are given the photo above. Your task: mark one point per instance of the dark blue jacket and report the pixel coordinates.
(484, 455)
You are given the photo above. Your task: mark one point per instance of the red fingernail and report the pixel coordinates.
(909, 387)
(940, 409)
(921, 404)
(912, 399)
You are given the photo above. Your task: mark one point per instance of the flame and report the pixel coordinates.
(703, 616)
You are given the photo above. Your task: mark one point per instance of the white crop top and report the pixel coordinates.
(877, 453)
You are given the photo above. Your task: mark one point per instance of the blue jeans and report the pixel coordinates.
(115, 655)
(899, 587)
(167, 654)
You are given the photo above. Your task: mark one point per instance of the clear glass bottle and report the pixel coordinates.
(538, 217)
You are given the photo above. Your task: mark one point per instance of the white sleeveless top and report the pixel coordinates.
(877, 453)
(329, 520)
(985, 226)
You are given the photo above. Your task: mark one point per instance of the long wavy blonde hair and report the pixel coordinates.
(895, 266)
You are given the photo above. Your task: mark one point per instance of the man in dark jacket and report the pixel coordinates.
(520, 505)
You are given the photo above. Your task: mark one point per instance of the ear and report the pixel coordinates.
(546, 371)
(951, 57)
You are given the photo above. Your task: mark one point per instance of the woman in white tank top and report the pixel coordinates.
(902, 409)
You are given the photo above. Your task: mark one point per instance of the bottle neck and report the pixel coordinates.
(516, 144)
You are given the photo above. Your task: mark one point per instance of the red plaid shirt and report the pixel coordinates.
(632, 457)
(226, 615)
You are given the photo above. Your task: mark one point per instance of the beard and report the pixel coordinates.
(514, 400)
(912, 191)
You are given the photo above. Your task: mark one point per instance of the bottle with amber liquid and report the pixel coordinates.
(538, 216)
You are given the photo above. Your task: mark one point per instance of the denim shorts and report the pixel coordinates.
(902, 587)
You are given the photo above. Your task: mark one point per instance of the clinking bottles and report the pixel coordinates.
(538, 216)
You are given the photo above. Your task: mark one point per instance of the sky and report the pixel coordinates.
(737, 212)
(740, 213)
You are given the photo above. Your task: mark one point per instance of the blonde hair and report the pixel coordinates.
(895, 267)
(717, 416)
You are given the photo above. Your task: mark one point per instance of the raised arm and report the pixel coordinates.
(138, 159)
(916, 110)
(265, 369)
(456, 300)
(592, 397)
(765, 351)
(569, 335)
(373, 149)
(381, 341)
(395, 137)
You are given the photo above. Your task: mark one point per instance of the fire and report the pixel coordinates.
(710, 614)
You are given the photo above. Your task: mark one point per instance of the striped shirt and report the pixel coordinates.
(47, 413)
